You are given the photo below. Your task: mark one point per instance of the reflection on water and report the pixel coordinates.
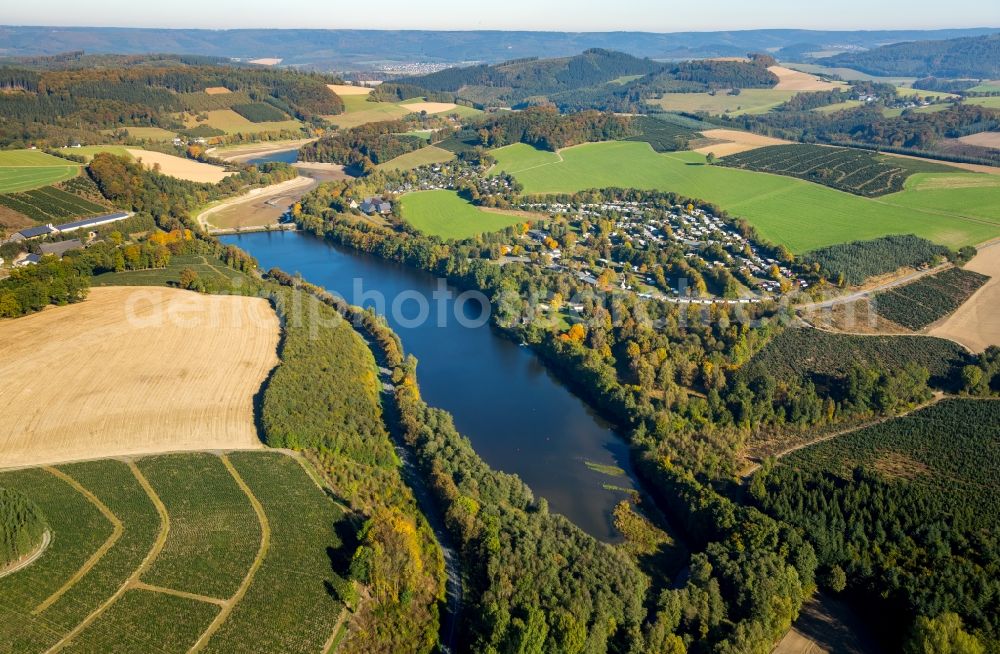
(519, 418)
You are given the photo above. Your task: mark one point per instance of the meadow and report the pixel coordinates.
(358, 111)
(232, 123)
(124, 530)
(799, 214)
(749, 101)
(147, 133)
(421, 157)
(24, 170)
(209, 269)
(445, 214)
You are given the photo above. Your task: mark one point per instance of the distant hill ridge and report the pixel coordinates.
(976, 57)
(346, 48)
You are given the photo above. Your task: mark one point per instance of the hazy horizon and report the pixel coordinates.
(516, 15)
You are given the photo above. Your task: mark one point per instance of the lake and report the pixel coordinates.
(518, 416)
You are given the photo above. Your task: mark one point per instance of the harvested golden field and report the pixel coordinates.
(266, 61)
(976, 324)
(430, 107)
(735, 142)
(193, 171)
(217, 90)
(983, 139)
(348, 89)
(133, 370)
(796, 80)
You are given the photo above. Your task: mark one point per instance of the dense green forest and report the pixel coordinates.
(541, 127)
(56, 106)
(597, 79)
(21, 526)
(362, 148)
(853, 263)
(975, 57)
(904, 515)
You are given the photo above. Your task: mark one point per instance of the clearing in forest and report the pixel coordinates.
(133, 371)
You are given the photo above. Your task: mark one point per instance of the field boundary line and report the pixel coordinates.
(117, 529)
(337, 633)
(141, 585)
(265, 544)
(154, 551)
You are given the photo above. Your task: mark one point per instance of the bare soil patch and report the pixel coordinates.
(259, 207)
(266, 61)
(976, 324)
(430, 107)
(828, 625)
(14, 220)
(795, 80)
(983, 139)
(217, 90)
(732, 141)
(133, 371)
(193, 171)
(348, 89)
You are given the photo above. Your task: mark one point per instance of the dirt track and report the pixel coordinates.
(976, 324)
(133, 371)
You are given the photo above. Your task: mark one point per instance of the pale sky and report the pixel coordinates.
(558, 15)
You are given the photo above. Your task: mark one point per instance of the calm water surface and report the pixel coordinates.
(519, 417)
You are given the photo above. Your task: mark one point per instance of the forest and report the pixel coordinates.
(903, 516)
(60, 104)
(21, 526)
(362, 148)
(968, 57)
(853, 263)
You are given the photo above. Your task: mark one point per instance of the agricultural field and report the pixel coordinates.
(850, 74)
(349, 89)
(260, 112)
(421, 157)
(951, 449)
(854, 171)
(208, 269)
(231, 122)
(24, 170)
(732, 141)
(199, 397)
(927, 300)
(51, 205)
(976, 324)
(749, 101)
(131, 538)
(983, 139)
(173, 166)
(797, 80)
(987, 87)
(445, 214)
(993, 101)
(359, 111)
(89, 151)
(840, 106)
(801, 215)
(146, 133)
(663, 135)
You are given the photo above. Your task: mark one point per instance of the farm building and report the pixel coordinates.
(27, 260)
(61, 247)
(96, 221)
(33, 232)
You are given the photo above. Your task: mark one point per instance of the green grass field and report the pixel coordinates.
(445, 214)
(749, 101)
(797, 213)
(358, 111)
(421, 157)
(232, 123)
(993, 102)
(987, 87)
(146, 133)
(24, 170)
(211, 536)
(840, 106)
